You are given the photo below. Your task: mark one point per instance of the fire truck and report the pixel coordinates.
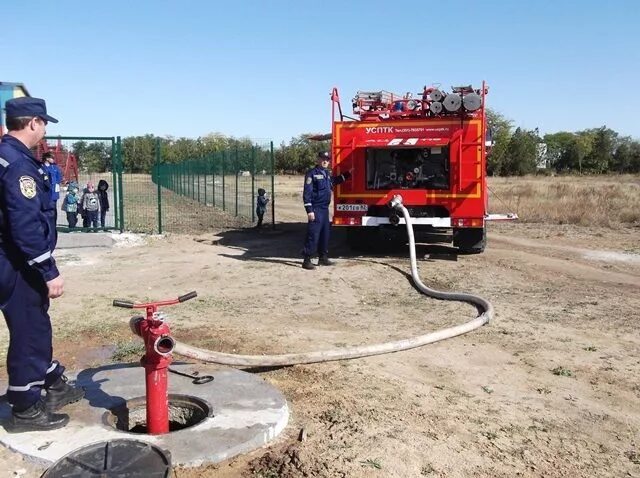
(429, 148)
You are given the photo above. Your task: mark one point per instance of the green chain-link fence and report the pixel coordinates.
(198, 194)
(191, 196)
(84, 161)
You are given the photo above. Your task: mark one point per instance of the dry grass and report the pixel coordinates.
(609, 201)
(180, 214)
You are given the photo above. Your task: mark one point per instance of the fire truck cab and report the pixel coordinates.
(430, 149)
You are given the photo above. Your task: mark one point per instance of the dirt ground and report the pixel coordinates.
(550, 388)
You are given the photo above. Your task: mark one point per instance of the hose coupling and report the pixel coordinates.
(396, 202)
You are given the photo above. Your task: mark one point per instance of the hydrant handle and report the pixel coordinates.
(123, 303)
(187, 296)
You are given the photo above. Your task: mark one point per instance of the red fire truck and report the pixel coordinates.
(430, 149)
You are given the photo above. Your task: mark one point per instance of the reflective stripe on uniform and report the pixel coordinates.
(308, 204)
(24, 388)
(53, 367)
(40, 258)
(4, 163)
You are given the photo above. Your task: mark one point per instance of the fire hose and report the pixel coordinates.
(484, 307)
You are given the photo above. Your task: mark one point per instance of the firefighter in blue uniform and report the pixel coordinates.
(318, 184)
(29, 277)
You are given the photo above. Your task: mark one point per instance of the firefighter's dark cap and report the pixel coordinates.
(324, 156)
(28, 106)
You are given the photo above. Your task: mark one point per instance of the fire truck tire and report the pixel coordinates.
(470, 240)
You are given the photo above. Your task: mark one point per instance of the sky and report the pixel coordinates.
(265, 69)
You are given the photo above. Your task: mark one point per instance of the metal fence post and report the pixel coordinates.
(192, 172)
(273, 188)
(120, 171)
(224, 206)
(198, 166)
(253, 183)
(114, 174)
(205, 162)
(213, 179)
(183, 178)
(235, 170)
(159, 185)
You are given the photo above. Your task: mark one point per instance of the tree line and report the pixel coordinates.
(591, 151)
(515, 151)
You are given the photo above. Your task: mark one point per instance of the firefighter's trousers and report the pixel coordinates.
(24, 303)
(318, 232)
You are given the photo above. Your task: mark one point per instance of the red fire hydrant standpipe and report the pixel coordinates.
(158, 345)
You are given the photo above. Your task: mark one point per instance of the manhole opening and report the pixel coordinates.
(184, 411)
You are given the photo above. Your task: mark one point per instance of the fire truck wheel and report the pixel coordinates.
(470, 240)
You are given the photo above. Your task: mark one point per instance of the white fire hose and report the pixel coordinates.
(484, 307)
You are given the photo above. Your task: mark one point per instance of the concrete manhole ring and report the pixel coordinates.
(185, 411)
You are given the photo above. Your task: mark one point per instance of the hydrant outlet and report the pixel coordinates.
(164, 345)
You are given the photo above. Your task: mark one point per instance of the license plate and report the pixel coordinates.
(352, 207)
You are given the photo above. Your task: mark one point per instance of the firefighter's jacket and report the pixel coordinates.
(27, 213)
(318, 184)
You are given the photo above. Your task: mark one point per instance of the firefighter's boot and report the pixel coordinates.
(324, 261)
(60, 394)
(307, 264)
(36, 418)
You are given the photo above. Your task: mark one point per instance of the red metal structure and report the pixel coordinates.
(430, 149)
(65, 159)
(158, 349)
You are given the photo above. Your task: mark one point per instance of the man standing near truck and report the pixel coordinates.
(318, 184)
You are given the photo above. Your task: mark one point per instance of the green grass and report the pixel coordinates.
(427, 470)
(561, 371)
(371, 463)
(126, 349)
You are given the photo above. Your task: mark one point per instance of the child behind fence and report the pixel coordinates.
(70, 205)
(261, 205)
(91, 205)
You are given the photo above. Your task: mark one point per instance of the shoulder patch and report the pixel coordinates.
(308, 181)
(27, 187)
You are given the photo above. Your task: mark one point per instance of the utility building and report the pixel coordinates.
(9, 91)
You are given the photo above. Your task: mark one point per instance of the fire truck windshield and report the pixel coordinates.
(408, 168)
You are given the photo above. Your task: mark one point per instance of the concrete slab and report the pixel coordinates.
(72, 240)
(247, 414)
